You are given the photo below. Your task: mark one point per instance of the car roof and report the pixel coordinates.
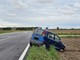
(52, 32)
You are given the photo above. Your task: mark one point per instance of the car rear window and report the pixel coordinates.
(38, 31)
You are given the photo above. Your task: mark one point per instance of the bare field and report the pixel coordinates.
(72, 51)
(65, 32)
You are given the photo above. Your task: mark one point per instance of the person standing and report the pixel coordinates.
(46, 41)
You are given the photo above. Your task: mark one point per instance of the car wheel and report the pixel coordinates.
(30, 44)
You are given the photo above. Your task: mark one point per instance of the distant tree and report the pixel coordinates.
(57, 28)
(72, 28)
(7, 28)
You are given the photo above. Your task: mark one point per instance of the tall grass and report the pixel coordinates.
(66, 32)
(40, 53)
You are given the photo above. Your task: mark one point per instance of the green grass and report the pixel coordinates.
(69, 36)
(40, 53)
(68, 33)
(5, 31)
(8, 31)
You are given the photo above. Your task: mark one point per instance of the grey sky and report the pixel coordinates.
(52, 13)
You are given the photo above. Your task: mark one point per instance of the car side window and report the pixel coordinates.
(51, 36)
(57, 38)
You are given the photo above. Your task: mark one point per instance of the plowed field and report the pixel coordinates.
(72, 51)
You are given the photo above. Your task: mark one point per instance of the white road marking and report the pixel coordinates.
(26, 49)
(24, 52)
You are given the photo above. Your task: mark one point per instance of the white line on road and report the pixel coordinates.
(24, 52)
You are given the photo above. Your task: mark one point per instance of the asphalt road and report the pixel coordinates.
(13, 44)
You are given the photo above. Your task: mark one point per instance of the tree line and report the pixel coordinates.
(32, 28)
(17, 28)
(58, 28)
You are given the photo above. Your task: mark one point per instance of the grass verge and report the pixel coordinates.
(8, 31)
(5, 31)
(69, 36)
(40, 53)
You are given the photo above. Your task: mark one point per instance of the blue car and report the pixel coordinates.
(38, 38)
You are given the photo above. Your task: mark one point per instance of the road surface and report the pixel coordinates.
(13, 44)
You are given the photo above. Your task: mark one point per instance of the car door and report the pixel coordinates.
(53, 38)
(50, 37)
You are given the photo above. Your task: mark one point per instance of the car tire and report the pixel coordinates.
(30, 44)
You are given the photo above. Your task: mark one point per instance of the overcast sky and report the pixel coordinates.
(50, 13)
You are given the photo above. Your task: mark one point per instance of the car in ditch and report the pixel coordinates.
(40, 35)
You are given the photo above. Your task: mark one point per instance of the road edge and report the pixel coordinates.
(24, 52)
